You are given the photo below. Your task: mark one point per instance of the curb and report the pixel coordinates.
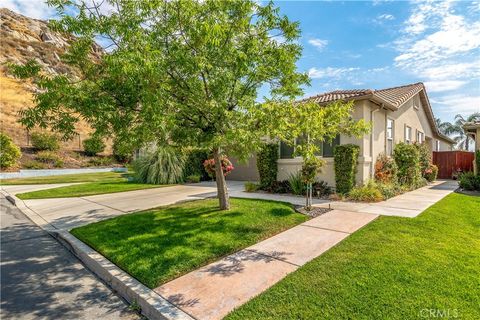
(153, 306)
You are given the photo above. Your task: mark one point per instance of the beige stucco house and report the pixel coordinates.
(473, 130)
(399, 114)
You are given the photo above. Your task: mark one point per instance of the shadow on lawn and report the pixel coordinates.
(157, 246)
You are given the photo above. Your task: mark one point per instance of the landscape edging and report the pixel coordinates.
(152, 305)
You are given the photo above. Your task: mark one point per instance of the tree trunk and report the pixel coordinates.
(222, 191)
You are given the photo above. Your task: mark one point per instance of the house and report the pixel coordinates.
(473, 130)
(399, 114)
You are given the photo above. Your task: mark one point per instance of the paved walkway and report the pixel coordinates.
(40, 279)
(68, 213)
(409, 204)
(213, 291)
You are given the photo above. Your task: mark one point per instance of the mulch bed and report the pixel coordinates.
(314, 212)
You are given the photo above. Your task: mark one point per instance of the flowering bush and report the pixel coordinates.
(385, 169)
(431, 173)
(209, 165)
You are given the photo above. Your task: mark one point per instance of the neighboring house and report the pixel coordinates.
(399, 114)
(473, 130)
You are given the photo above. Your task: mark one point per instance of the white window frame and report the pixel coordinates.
(420, 136)
(391, 138)
(408, 137)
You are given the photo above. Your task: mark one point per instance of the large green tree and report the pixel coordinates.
(182, 72)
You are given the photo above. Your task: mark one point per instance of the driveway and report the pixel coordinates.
(40, 279)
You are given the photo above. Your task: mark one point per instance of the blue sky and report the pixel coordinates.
(379, 44)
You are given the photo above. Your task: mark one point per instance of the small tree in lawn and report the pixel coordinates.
(314, 123)
(190, 70)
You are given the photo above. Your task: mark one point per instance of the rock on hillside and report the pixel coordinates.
(23, 39)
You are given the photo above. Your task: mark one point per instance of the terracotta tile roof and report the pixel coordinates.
(394, 97)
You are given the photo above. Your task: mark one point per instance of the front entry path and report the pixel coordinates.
(213, 291)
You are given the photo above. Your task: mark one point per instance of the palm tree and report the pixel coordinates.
(456, 129)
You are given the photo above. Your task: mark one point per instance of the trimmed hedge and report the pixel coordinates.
(9, 152)
(43, 141)
(477, 160)
(345, 161)
(407, 157)
(267, 164)
(92, 146)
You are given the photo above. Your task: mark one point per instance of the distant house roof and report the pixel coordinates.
(471, 126)
(391, 98)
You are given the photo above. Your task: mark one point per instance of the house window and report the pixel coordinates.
(390, 131)
(286, 150)
(328, 147)
(420, 137)
(437, 145)
(408, 134)
(325, 149)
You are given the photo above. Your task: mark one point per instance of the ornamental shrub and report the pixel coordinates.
(194, 178)
(209, 165)
(366, 193)
(345, 162)
(267, 164)
(425, 157)
(280, 187)
(164, 165)
(407, 158)
(477, 160)
(44, 141)
(9, 152)
(251, 187)
(194, 163)
(93, 145)
(469, 181)
(385, 169)
(431, 173)
(297, 186)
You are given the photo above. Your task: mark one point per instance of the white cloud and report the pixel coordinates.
(330, 72)
(30, 8)
(446, 85)
(458, 104)
(320, 44)
(440, 46)
(385, 16)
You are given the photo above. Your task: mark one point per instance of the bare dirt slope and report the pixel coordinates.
(23, 39)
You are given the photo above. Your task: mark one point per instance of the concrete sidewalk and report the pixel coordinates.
(213, 291)
(69, 213)
(409, 204)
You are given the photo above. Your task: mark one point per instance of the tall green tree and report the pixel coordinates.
(456, 129)
(183, 72)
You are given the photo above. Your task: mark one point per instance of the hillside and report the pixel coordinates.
(23, 39)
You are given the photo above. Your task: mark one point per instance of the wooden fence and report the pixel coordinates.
(449, 162)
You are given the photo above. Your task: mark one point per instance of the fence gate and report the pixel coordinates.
(449, 162)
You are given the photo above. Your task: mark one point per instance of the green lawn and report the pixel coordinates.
(87, 189)
(394, 268)
(158, 245)
(68, 178)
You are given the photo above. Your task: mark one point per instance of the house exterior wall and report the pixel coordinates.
(244, 171)
(286, 167)
(411, 113)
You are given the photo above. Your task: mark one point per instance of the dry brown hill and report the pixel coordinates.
(23, 39)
